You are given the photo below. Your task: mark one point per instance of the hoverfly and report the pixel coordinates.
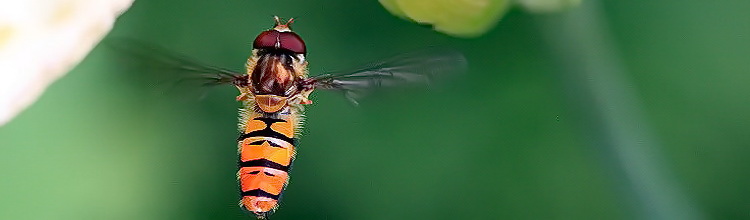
(273, 91)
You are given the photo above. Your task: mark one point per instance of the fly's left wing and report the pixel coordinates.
(411, 69)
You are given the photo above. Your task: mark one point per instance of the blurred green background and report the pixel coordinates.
(505, 141)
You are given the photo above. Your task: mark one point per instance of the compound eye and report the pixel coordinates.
(273, 39)
(266, 39)
(292, 42)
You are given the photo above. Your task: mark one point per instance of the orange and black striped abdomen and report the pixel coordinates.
(266, 151)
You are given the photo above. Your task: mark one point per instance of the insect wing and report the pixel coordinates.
(170, 69)
(411, 69)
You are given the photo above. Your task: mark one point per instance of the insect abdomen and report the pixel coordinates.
(266, 151)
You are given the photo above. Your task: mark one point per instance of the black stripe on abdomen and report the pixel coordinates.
(264, 163)
(260, 193)
(267, 132)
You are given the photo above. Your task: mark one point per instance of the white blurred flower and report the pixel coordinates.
(41, 40)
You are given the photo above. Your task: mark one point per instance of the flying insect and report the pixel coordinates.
(273, 91)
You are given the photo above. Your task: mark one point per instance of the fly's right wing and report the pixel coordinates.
(172, 69)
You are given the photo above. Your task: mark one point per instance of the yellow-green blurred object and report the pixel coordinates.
(461, 18)
(547, 6)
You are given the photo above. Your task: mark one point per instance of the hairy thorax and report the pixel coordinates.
(274, 78)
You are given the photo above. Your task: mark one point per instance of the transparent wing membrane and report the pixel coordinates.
(411, 69)
(169, 70)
